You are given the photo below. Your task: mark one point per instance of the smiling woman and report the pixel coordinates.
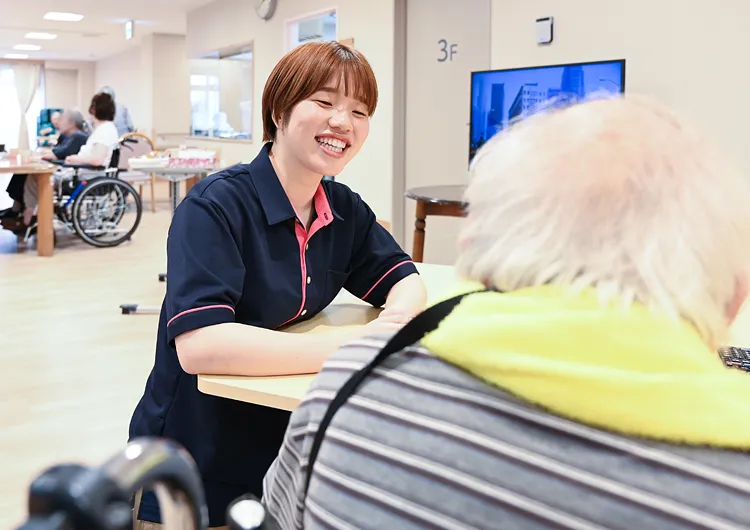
(333, 93)
(260, 246)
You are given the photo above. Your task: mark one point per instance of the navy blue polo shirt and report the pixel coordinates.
(238, 253)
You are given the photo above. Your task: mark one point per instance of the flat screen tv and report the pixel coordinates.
(501, 97)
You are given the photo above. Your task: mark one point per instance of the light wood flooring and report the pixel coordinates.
(72, 366)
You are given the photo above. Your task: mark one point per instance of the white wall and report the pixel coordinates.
(690, 55)
(85, 73)
(170, 72)
(61, 88)
(153, 81)
(437, 106)
(226, 23)
(130, 78)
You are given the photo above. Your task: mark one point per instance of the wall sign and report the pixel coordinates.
(447, 51)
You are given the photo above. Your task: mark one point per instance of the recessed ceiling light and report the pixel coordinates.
(16, 56)
(64, 17)
(27, 47)
(40, 36)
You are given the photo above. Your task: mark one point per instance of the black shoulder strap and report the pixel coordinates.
(412, 332)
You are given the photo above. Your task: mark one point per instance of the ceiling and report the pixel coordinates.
(101, 32)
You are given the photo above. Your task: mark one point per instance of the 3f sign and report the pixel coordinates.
(447, 51)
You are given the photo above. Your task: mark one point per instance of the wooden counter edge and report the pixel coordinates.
(213, 385)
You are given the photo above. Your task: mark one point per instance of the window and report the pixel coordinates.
(10, 111)
(221, 95)
(321, 26)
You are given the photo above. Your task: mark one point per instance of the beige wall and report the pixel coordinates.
(127, 74)
(170, 73)
(85, 73)
(437, 108)
(61, 88)
(690, 55)
(227, 23)
(152, 80)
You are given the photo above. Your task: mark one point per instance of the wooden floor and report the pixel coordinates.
(73, 367)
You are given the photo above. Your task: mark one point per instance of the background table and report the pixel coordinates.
(175, 175)
(45, 235)
(285, 392)
(434, 200)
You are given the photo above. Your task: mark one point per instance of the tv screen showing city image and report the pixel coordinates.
(501, 97)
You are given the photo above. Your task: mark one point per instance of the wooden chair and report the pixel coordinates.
(142, 146)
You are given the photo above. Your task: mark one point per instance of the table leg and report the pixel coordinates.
(45, 237)
(417, 253)
(175, 195)
(133, 309)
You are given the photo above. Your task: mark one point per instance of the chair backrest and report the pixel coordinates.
(133, 145)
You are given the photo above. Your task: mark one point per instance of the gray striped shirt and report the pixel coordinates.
(423, 444)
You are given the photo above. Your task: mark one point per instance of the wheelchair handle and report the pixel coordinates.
(74, 497)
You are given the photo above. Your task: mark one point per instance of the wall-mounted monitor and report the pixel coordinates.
(501, 97)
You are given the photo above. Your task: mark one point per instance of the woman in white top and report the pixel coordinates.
(98, 148)
(97, 151)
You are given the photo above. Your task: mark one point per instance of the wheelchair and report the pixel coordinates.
(78, 497)
(93, 203)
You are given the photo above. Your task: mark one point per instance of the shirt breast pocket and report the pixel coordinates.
(335, 281)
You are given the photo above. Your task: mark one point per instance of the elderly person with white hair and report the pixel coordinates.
(22, 190)
(122, 121)
(576, 384)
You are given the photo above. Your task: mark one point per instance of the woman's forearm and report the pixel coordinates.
(239, 349)
(92, 160)
(96, 157)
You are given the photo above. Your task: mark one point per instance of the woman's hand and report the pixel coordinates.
(398, 315)
(72, 159)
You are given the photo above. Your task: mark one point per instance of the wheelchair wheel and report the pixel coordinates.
(106, 212)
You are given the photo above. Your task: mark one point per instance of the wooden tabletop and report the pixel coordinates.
(6, 166)
(285, 392)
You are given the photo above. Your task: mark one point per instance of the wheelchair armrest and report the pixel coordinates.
(85, 166)
(62, 163)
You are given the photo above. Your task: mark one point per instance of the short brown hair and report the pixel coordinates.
(305, 70)
(102, 107)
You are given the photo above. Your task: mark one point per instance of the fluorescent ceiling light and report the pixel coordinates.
(16, 56)
(64, 17)
(40, 36)
(27, 47)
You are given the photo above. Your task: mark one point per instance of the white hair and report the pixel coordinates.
(108, 90)
(616, 194)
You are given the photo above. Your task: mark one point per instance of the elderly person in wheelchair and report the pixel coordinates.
(72, 137)
(96, 152)
(89, 199)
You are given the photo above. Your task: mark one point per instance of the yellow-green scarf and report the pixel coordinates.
(628, 371)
